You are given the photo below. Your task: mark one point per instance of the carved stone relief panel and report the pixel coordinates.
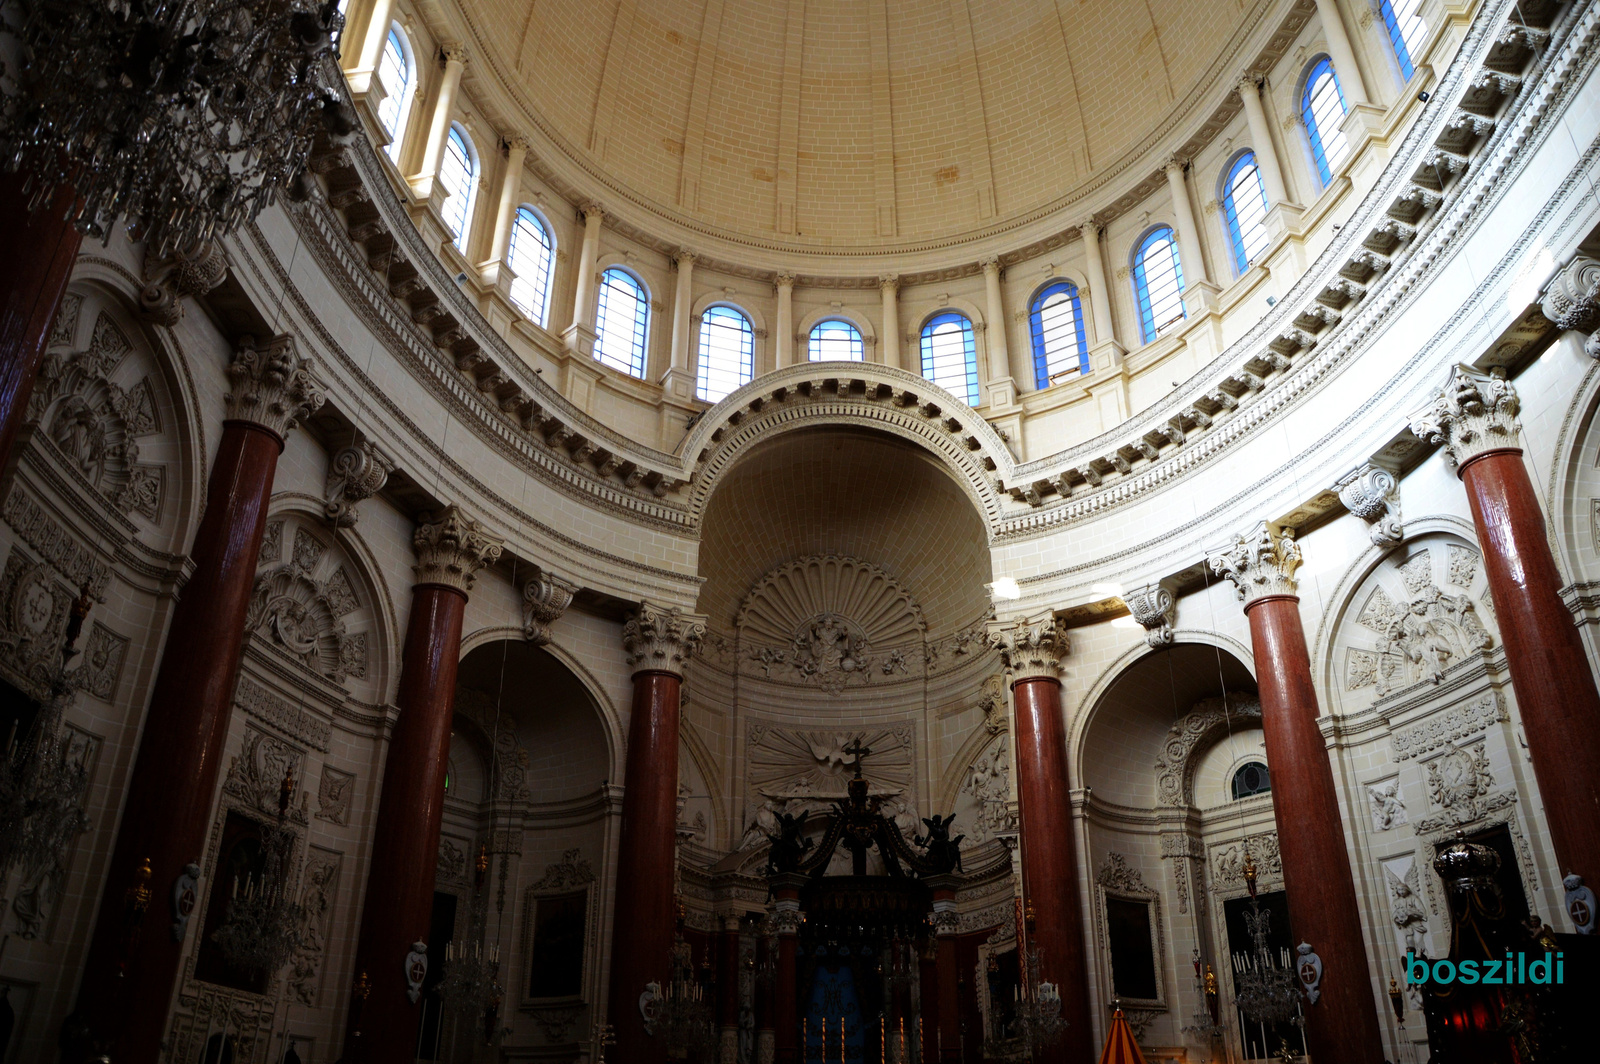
(1414, 617)
(40, 887)
(452, 865)
(319, 879)
(1388, 804)
(99, 400)
(1461, 787)
(791, 770)
(34, 603)
(1408, 909)
(256, 775)
(1192, 735)
(1227, 861)
(984, 803)
(308, 607)
(335, 792)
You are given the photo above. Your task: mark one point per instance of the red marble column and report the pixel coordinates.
(766, 970)
(658, 643)
(728, 987)
(405, 844)
(132, 962)
(41, 247)
(1475, 419)
(786, 984)
(1033, 651)
(947, 1042)
(1343, 1024)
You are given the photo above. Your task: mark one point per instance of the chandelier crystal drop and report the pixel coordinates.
(1266, 988)
(683, 1013)
(1037, 1023)
(184, 117)
(471, 982)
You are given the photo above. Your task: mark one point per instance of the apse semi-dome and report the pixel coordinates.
(848, 125)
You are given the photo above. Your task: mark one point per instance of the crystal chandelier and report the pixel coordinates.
(1038, 1023)
(683, 1015)
(41, 782)
(185, 117)
(471, 983)
(264, 925)
(1204, 1024)
(1266, 989)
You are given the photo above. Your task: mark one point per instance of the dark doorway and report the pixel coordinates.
(1261, 1041)
(240, 859)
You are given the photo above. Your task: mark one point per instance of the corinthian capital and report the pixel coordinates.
(271, 385)
(1476, 413)
(451, 548)
(661, 640)
(453, 52)
(1261, 563)
(1032, 649)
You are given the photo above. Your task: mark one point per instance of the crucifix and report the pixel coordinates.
(858, 751)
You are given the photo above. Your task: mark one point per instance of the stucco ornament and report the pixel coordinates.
(1310, 968)
(1154, 607)
(1476, 413)
(1032, 649)
(661, 639)
(356, 472)
(1260, 563)
(1572, 301)
(544, 599)
(451, 548)
(416, 970)
(271, 384)
(1373, 495)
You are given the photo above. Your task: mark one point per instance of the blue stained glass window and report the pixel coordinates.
(1158, 282)
(950, 356)
(1322, 107)
(1244, 201)
(727, 353)
(458, 173)
(530, 256)
(1059, 347)
(1406, 31)
(621, 322)
(835, 340)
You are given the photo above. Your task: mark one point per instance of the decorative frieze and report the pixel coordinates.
(271, 384)
(1476, 413)
(55, 544)
(544, 599)
(1260, 563)
(1373, 494)
(258, 773)
(1447, 726)
(451, 548)
(657, 638)
(1032, 649)
(335, 792)
(356, 472)
(294, 721)
(1227, 861)
(1193, 734)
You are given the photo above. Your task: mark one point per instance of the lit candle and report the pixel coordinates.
(824, 1040)
(805, 1038)
(883, 1039)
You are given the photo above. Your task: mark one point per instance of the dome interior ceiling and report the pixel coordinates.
(848, 122)
(851, 493)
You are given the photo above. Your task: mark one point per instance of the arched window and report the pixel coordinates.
(1244, 200)
(1406, 30)
(1059, 348)
(398, 77)
(727, 353)
(1322, 107)
(621, 321)
(1251, 778)
(458, 173)
(1158, 282)
(835, 340)
(949, 355)
(529, 256)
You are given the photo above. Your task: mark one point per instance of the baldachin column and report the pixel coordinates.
(1475, 420)
(658, 643)
(1343, 1024)
(1033, 651)
(889, 335)
(450, 550)
(133, 964)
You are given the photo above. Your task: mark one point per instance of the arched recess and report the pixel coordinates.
(1575, 482)
(879, 398)
(116, 399)
(1121, 726)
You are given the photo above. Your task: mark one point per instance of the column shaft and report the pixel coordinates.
(682, 312)
(377, 33)
(1099, 290)
(510, 185)
(127, 985)
(439, 126)
(33, 278)
(889, 340)
(641, 933)
(1049, 858)
(1192, 258)
(995, 331)
(785, 990)
(784, 348)
(949, 1040)
(1323, 910)
(405, 843)
(1343, 56)
(728, 990)
(1555, 686)
(583, 296)
(1261, 141)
